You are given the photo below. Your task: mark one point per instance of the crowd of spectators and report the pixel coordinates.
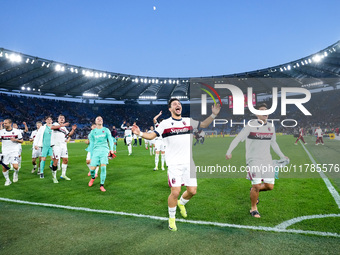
(323, 106)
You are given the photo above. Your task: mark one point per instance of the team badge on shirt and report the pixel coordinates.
(184, 123)
(173, 180)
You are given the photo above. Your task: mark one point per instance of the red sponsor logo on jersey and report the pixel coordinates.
(258, 135)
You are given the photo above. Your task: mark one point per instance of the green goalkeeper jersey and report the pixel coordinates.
(47, 136)
(101, 140)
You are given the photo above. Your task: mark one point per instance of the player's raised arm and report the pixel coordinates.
(215, 110)
(122, 126)
(57, 126)
(26, 128)
(156, 117)
(74, 127)
(148, 136)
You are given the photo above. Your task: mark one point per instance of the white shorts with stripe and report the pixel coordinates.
(182, 175)
(60, 151)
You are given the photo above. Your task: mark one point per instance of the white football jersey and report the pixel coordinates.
(318, 132)
(258, 139)
(59, 135)
(33, 135)
(127, 132)
(7, 145)
(177, 137)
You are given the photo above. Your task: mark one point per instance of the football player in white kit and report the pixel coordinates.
(159, 145)
(59, 138)
(11, 144)
(36, 154)
(151, 142)
(177, 136)
(259, 136)
(127, 136)
(22, 131)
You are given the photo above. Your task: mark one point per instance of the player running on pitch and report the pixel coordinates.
(259, 136)
(101, 144)
(127, 136)
(11, 148)
(60, 135)
(177, 136)
(301, 134)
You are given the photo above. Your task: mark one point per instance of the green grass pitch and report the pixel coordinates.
(133, 187)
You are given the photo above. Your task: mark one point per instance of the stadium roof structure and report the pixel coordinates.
(22, 73)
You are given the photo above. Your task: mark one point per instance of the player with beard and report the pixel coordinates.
(177, 136)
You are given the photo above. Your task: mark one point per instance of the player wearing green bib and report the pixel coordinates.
(101, 144)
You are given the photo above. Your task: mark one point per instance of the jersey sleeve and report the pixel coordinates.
(159, 130)
(109, 138)
(19, 135)
(32, 134)
(276, 147)
(239, 138)
(195, 124)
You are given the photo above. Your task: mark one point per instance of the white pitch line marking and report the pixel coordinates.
(270, 229)
(290, 222)
(329, 185)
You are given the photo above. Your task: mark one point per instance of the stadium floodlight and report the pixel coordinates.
(71, 69)
(297, 64)
(309, 60)
(48, 65)
(22, 88)
(38, 89)
(104, 75)
(156, 81)
(288, 67)
(28, 88)
(170, 81)
(27, 60)
(96, 75)
(177, 81)
(85, 94)
(43, 64)
(136, 80)
(306, 62)
(58, 67)
(83, 72)
(1, 54)
(15, 58)
(32, 62)
(164, 81)
(317, 58)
